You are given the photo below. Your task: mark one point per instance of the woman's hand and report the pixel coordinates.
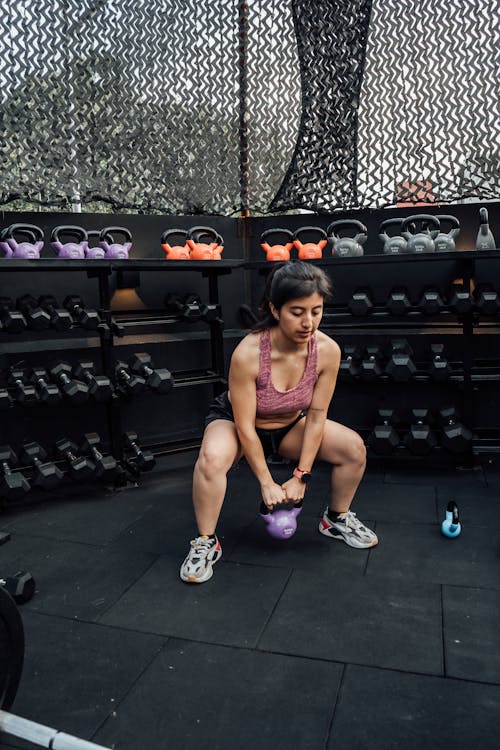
(273, 494)
(294, 490)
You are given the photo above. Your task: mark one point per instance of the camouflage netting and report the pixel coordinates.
(192, 106)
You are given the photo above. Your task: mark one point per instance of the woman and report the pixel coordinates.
(281, 380)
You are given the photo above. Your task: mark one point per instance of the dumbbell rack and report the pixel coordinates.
(114, 325)
(381, 273)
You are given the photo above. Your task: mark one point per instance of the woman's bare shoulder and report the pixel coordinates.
(247, 351)
(328, 349)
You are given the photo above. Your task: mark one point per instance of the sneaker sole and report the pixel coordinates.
(208, 575)
(341, 538)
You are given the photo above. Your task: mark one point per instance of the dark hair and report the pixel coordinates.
(288, 281)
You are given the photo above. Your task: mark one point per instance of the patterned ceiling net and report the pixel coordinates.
(145, 104)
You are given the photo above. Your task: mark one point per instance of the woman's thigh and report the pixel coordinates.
(220, 445)
(338, 445)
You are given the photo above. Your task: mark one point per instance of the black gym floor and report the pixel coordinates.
(305, 643)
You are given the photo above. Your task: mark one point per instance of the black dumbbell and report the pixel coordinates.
(384, 439)
(48, 393)
(211, 313)
(13, 484)
(486, 299)
(455, 436)
(36, 318)
(24, 392)
(159, 380)
(45, 473)
(439, 368)
(400, 366)
(21, 586)
(100, 386)
(349, 364)
(398, 302)
(371, 365)
(460, 300)
(87, 318)
(12, 320)
(431, 302)
(106, 466)
(127, 380)
(142, 460)
(187, 307)
(5, 399)
(74, 389)
(360, 303)
(60, 318)
(420, 438)
(79, 467)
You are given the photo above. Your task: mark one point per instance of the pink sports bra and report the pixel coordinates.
(269, 399)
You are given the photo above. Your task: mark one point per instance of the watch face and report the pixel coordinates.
(306, 477)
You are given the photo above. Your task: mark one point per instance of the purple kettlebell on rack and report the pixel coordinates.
(113, 249)
(96, 253)
(69, 250)
(27, 250)
(280, 523)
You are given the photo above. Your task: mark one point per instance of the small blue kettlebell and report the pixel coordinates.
(451, 525)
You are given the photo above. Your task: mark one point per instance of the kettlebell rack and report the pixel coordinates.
(100, 344)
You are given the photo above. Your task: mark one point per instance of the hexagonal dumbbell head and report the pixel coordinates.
(48, 393)
(37, 319)
(360, 303)
(79, 467)
(420, 438)
(455, 437)
(87, 318)
(384, 439)
(129, 381)
(371, 364)
(431, 302)
(13, 320)
(398, 302)
(106, 466)
(13, 484)
(159, 380)
(400, 366)
(349, 364)
(24, 392)
(60, 318)
(143, 459)
(439, 368)
(100, 387)
(76, 391)
(45, 473)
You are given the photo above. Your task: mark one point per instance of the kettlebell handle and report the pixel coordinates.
(390, 223)
(171, 232)
(196, 232)
(451, 220)
(97, 233)
(288, 234)
(318, 230)
(29, 229)
(422, 219)
(342, 224)
(108, 233)
(73, 231)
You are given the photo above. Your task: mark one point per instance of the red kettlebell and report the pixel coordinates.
(277, 252)
(310, 250)
(202, 250)
(175, 252)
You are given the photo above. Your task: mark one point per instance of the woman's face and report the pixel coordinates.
(299, 318)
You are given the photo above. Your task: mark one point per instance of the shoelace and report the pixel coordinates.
(202, 546)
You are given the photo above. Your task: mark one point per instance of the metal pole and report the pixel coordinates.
(243, 107)
(43, 736)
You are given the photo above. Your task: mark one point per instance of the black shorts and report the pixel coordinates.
(221, 408)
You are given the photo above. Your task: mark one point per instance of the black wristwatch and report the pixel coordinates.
(302, 474)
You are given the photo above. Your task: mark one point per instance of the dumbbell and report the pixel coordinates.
(100, 387)
(36, 318)
(431, 302)
(79, 467)
(13, 484)
(159, 380)
(12, 320)
(187, 307)
(60, 318)
(85, 317)
(46, 474)
(21, 586)
(127, 380)
(455, 437)
(360, 303)
(211, 313)
(398, 302)
(48, 393)
(142, 460)
(5, 399)
(384, 439)
(439, 368)
(349, 364)
(106, 466)
(74, 389)
(24, 392)
(460, 300)
(400, 366)
(370, 367)
(486, 299)
(420, 438)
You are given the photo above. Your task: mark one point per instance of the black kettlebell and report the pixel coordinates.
(421, 237)
(393, 244)
(347, 247)
(445, 242)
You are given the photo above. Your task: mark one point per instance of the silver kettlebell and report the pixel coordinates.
(445, 242)
(421, 237)
(350, 246)
(393, 244)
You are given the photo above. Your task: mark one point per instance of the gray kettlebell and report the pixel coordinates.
(421, 238)
(347, 247)
(485, 239)
(444, 243)
(395, 244)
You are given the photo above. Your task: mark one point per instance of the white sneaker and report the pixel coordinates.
(198, 565)
(348, 529)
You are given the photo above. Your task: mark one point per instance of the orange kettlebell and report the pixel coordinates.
(175, 252)
(310, 250)
(277, 252)
(202, 250)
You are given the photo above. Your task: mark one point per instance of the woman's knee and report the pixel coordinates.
(356, 450)
(213, 462)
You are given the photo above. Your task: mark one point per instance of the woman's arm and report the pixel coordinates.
(243, 372)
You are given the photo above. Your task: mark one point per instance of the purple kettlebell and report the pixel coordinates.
(97, 253)
(113, 249)
(14, 249)
(70, 250)
(280, 523)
